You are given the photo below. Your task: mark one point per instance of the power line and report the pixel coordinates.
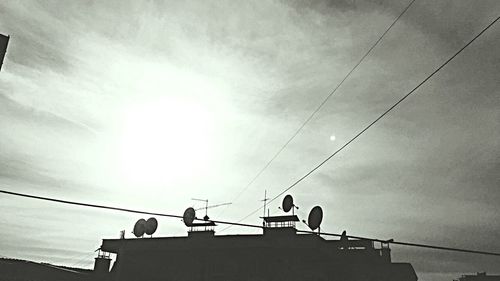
(240, 224)
(405, 243)
(376, 120)
(112, 208)
(321, 104)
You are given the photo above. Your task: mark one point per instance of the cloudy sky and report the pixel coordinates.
(148, 104)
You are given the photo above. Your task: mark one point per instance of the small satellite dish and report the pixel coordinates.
(189, 216)
(151, 226)
(140, 228)
(287, 204)
(315, 218)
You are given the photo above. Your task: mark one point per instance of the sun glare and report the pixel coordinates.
(166, 141)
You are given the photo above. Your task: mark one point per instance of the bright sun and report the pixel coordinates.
(165, 141)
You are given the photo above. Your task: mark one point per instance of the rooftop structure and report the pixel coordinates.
(277, 254)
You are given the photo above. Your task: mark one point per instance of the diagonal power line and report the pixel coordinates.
(81, 204)
(376, 120)
(321, 105)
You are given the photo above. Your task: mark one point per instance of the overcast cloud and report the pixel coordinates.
(84, 85)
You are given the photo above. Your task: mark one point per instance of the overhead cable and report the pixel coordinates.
(321, 104)
(81, 204)
(374, 121)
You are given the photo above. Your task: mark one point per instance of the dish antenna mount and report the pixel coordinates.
(151, 226)
(288, 204)
(315, 218)
(140, 228)
(189, 216)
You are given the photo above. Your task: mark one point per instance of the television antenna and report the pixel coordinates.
(265, 202)
(206, 218)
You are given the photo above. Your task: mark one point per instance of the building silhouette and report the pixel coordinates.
(480, 276)
(4, 40)
(22, 270)
(280, 253)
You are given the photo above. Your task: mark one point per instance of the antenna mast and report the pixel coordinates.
(265, 201)
(206, 204)
(206, 207)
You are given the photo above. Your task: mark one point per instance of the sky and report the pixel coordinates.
(147, 104)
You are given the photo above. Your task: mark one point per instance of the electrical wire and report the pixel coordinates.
(320, 105)
(239, 224)
(113, 208)
(374, 121)
(391, 241)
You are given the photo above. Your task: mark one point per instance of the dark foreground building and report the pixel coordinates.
(22, 270)
(480, 276)
(4, 40)
(277, 254)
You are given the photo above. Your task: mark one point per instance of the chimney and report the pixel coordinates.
(101, 265)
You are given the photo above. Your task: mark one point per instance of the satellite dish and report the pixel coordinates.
(189, 216)
(151, 226)
(140, 228)
(315, 218)
(287, 204)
